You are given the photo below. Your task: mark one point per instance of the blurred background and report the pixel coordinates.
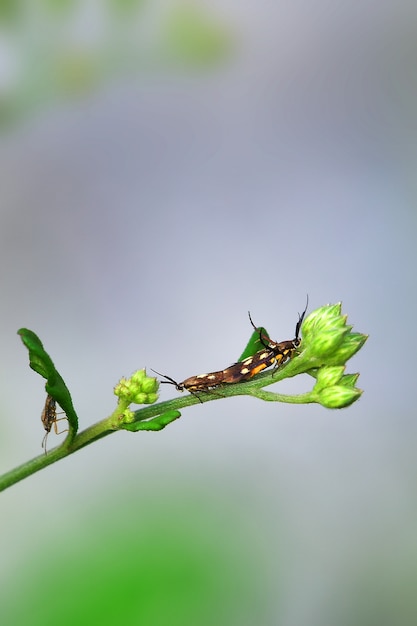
(166, 166)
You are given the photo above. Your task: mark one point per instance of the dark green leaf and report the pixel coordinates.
(156, 423)
(41, 362)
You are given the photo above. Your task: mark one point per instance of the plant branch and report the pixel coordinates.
(327, 344)
(114, 422)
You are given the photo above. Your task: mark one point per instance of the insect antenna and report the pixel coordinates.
(300, 321)
(169, 381)
(261, 335)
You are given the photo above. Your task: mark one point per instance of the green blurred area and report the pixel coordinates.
(58, 49)
(160, 560)
(182, 556)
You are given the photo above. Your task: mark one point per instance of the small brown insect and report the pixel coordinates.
(50, 419)
(201, 382)
(273, 353)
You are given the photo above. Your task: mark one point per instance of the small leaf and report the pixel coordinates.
(41, 362)
(156, 423)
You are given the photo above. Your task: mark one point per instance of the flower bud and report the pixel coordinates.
(323, 344)
(328, 339)
(128, 416)
(352, 342)
(349, 380)
(139, 388)
(122, 389)
(338, 396)
(321, 318)
(328, 376)
(150, 385)
(138, 376)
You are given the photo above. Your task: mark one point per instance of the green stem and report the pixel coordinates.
(269, 396)
(114, 423)
(93, 433)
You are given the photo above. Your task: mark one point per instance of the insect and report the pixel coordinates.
(273, 353)
(238, 372)
(49, 418)
(201, 382)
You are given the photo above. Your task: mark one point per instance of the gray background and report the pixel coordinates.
(138, 227)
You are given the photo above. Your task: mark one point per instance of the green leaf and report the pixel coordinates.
(41, 362)
(157, 423)
(254, 344)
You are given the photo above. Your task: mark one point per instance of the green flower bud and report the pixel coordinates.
(328, 376)
(128, 416)
(139, 376)
(352, 342)
(139, 388)
(151, 398)
(150, 385)
(338, 396)
(139, 397)
(327, 338)
(349, 380)
(324, 343)
(122, 388)
(321, 318)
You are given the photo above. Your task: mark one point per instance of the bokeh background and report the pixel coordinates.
(165, 167)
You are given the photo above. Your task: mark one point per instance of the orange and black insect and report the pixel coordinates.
(235, 373)
(201, 382)
(273, 353)
(49, 418)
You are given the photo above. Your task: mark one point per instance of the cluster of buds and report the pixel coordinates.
(328, 342)
(138, 389)
(334, 389)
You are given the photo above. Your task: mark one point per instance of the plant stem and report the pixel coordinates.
(113, 423)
